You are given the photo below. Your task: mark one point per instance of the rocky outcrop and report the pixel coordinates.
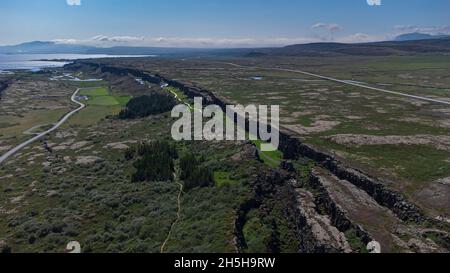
(278, 185)
(338, 216)
(372, 186)
(327, 238)
(265, 186)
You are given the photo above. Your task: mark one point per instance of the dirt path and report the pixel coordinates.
(163, 247)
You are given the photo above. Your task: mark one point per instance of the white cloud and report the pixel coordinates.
(66, 41)
(117, 39)
(205, 42)
(107, 41)
(331, 27)
(102, 40)
(362, 38)
(73, 2)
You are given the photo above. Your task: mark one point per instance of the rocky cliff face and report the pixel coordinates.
(375, 188)
(265, 186)
(338, 216)
(311, 237)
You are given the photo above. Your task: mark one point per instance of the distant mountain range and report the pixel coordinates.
(406, 44)
(419, 36)
(422, 46)
(38, 47)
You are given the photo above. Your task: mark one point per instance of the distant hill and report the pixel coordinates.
(362, 49)
(441, 45)
(419, 36)
(38, 47)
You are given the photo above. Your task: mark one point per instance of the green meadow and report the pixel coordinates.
(101, 103)
(102, 97)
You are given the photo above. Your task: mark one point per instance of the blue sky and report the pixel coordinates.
(217, 23)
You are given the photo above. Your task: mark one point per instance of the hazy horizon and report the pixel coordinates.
(216, 23)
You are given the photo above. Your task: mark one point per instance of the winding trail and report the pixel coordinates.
(11, 152)
(180, 100)
(163, 247)
(352, 83)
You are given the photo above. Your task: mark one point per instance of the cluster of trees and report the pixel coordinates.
(147, 105)
(194, 174)
(155, 162)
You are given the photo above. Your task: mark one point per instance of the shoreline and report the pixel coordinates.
(27, 62)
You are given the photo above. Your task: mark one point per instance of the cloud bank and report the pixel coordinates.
(200, 42)
(207, 42)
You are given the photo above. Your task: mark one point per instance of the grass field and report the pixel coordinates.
(101, 104)
(122, 100)
(89, 84)
(419, 163)
(93, 114)
(102, 97)
(103, 101)
(95, 92)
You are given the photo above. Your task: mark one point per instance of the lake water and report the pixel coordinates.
(31, 61)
